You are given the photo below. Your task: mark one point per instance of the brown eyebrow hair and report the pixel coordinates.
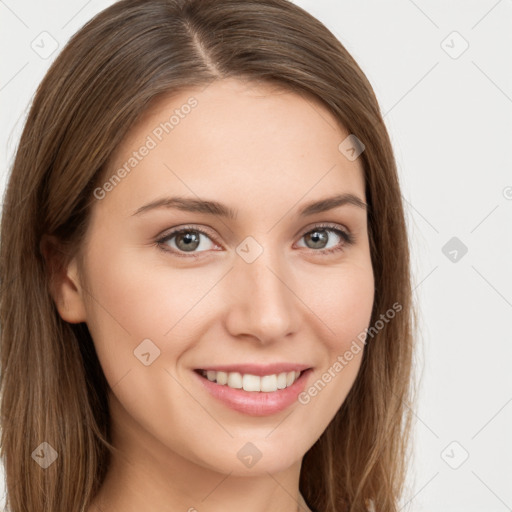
(215, 208)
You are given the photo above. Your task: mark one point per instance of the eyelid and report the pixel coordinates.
(348, 238)
(345, 234)
(188, 227)
(161, 239)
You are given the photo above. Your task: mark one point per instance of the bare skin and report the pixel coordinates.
(265, 153)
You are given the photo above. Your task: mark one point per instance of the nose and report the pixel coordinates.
(262, 300)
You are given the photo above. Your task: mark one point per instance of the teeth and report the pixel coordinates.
(251, 382)
(235, 380)
(222, 377)
(268, 383)
(248, 382)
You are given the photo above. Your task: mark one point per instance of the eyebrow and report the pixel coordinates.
(215, 208)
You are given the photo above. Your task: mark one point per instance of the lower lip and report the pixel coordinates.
(256, 403)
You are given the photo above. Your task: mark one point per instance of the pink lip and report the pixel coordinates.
(255, 403)
(258, 369)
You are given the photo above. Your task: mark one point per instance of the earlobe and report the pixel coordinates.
(63, 280)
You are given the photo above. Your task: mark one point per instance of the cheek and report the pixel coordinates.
(352, 313)
(343, 300)
(345, 309)
(131, 300)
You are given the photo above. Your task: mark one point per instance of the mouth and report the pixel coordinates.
(264, 383)
(255, 390)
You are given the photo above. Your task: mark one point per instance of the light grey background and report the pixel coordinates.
(449, 113)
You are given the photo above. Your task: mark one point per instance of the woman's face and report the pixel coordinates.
(263, 291)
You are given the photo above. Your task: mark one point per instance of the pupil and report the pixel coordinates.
(317, 237)
(189, 239)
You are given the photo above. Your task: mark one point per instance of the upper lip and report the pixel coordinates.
(257, 369)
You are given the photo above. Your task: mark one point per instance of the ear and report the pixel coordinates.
(65, 286)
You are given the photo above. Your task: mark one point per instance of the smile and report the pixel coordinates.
(255, 395)
(249, 382)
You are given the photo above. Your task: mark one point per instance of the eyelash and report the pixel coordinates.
(348, 239)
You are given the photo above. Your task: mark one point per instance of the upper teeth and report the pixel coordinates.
(250, 382)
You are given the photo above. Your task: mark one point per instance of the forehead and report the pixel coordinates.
(246, 140)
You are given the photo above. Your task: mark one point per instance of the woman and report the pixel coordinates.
(206, 299)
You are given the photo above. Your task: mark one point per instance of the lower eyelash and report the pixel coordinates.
(348, 239)
(161, 242)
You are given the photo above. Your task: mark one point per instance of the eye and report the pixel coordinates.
(318, 238)
(187, 240)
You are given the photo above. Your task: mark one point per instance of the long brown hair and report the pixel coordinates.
(52, 385)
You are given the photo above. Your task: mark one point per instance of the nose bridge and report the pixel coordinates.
(264, 305)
